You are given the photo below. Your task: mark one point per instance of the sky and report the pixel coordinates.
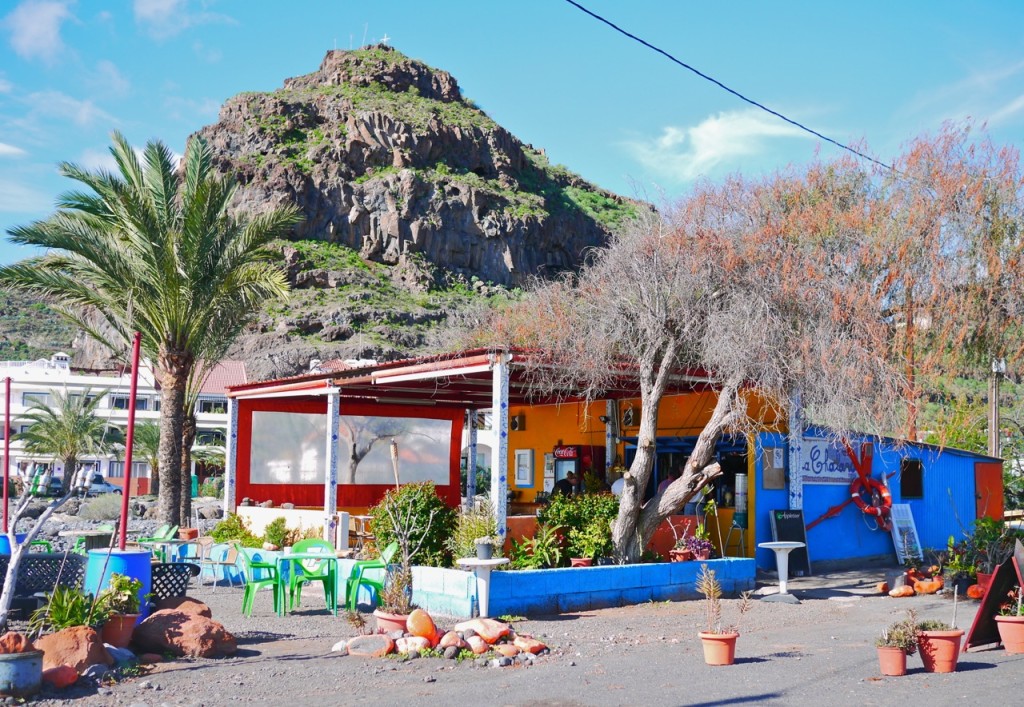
(622, 116)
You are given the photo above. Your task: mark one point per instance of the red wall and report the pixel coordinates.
(312, 495)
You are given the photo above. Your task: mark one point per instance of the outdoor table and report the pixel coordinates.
(782, 550)
(286, 565)
(94, 539)
(482, 570)
(164, 545)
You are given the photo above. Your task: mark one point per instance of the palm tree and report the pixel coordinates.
(68, 430)
(147, 445)
(153, 249)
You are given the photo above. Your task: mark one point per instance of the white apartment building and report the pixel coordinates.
(36, 381)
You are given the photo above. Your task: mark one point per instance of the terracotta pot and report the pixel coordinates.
(388, 622)
(719, 648)
(892, 661)
(118, 629)
(702, 556)
(984, 580)
(188, 533)
(680, 555)
(1011, 633)
(939, 650)
(580, 562)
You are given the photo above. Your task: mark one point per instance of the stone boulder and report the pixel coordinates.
(488, 629)
(187, 605)
(61, 676)
(78, 646)
(375, 646)
(14, 642)
(184, 634)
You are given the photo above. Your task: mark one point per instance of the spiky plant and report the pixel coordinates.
(708, 585)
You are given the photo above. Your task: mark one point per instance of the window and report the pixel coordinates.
(210, 437)
(140, 470)
(911, 479)
(120, 402)
(29, 399)
(217, 406)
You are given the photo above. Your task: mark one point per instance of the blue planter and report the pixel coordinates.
(5, 543)
(21, 673)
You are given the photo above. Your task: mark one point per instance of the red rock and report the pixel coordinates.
(505, 649)
(78, 646)
(477, 645)
(14, 642)
(150, 658)
(376, 646)
(412, 643)
(528, 644)
(488, 629)
(186, 604)
(184, 634)
(420, 624)
(61, 676)
(451, 639)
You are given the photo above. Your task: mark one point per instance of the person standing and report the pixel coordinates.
(567, 485)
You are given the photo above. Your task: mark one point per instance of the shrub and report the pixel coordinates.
(235, 528)
(103, 507)
(593, 541)
(543, 550)
(470, 525)
(213, 488)
(579, 511)
(276, 532)
(67, 607)
(416, 502)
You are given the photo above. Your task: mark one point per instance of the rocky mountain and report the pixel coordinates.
(419, 210)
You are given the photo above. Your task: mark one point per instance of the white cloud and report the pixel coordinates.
(95, 160)
(16, 198)
(5, 85)
(62, 106)
(685, 153)
(165, 18)
(11, 151)
(1008, 111)
(34, 26)
(110, 80)
(988, 95)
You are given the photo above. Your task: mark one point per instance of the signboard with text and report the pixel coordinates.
(825, 462)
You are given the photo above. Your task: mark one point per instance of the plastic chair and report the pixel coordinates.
(311, 571)
(357, 578)
(163, 533)
(44, 544)
(253, 585)
(83, 544)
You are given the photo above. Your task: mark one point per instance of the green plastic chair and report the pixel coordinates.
(164, 532)
(252, 584)
(44, 544)
(83, 544)
(312, 571)
(356, 578)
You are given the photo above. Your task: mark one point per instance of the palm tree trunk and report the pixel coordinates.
(172, 411)
(69, 472)
(188, 438)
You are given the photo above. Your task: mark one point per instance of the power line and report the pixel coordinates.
(721, 85)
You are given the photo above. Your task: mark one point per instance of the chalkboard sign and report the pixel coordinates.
(789, 526)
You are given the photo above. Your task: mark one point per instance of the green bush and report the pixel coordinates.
(577, 512)
(106, 506)
(235, 528)
(276, 532)
(593, 540)
(541, 551)
(470, 525)
(67, 607)
(412, 506)
(213, 488)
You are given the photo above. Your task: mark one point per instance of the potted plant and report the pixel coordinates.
(993, 544)
(700, 548)
(395, 600)
(959, 570)
(1011, 623)
(680, 551)
(939, 644)
(719, 642)
(484, 548)
(588, 543)
(122, 602)
(894, 645)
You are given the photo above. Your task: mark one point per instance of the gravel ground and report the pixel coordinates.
(807, 654)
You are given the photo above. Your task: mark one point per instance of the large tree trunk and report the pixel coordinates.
(172, 412)
(188, 438)
(69, 472)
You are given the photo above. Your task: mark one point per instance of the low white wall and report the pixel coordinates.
(259, 518)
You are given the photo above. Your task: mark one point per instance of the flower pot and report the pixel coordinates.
(1011, 633)
(680, 555)
(939, 650)
(388, 622)
(188, 533)
(484, 551)
(960, 584)
(21, 674)
(719, 648)
(892, 661)
(702, 556)
(118, 629)
(984, 579)
(580, 562)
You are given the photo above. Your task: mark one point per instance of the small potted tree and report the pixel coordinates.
(588, 543)
(121, 599)
(680, 552)
(718, 641)
(1011, 623)
(894, 645)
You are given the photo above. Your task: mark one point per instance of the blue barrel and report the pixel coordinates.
(21, 673)
(5, 542)
(130, 563)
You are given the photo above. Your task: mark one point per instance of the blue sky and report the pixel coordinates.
(615, 112)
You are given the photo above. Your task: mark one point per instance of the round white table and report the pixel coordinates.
(782, 548)
(482, 570)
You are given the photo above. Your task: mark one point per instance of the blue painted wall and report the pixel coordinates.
(948, 507)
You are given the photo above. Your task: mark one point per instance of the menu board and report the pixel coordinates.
(788, 526)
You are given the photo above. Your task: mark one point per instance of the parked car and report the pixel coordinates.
(100, 485)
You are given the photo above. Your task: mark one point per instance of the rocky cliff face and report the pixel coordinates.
(384, 155)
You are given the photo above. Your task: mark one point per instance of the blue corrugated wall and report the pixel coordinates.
(948, 506)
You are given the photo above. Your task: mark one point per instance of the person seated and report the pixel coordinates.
(567, 485)
(673, 474)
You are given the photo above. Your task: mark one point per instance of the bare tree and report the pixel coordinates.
(363, 434)
(760, 286)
